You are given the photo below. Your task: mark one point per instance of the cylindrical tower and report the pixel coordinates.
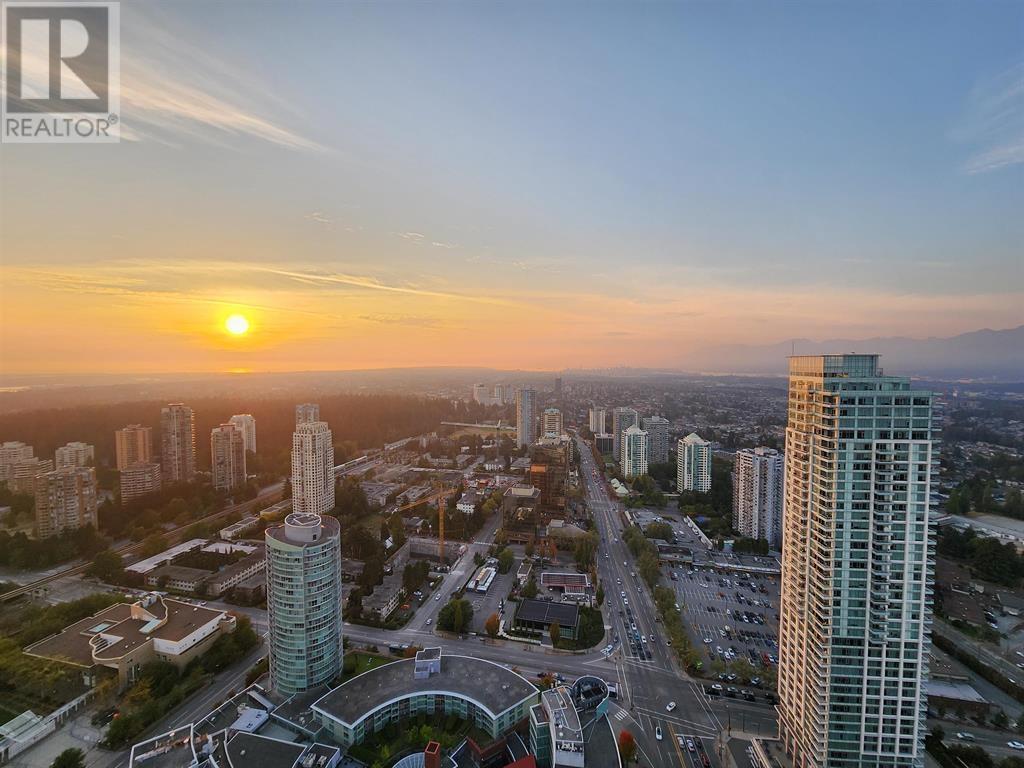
(304, 601)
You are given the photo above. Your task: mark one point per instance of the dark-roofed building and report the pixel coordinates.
(249, 750)
(537, 616)
(127, 636)
(493, 698)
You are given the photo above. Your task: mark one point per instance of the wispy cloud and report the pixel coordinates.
(172, 90)
(374, 284)
(318, 217)
(994, 122)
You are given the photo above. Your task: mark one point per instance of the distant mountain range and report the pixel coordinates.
(984, 354)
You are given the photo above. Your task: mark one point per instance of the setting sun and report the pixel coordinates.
(237, 325)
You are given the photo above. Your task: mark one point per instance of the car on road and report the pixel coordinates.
(1015, 745)
(657, 733)
(965, 736)
(436, 598)
(429, 622)
(670, 706)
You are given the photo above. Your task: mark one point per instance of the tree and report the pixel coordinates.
(69, 758)
(585, 551)
(555, 632)
(505, 560)
(600, 596)
(153, 545)
(455, 616)
(529, 549)
(107, 566)
(627, 746)
(530, 589)
(1000, 720)
(492, 625)
(648, 568)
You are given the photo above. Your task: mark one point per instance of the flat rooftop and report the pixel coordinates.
(71, 645)
(559, 704)
(248, 750)
(547, 612)
(147, 565)
(951, 689)
(490, 685)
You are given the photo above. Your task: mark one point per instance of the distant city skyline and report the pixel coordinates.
(402, 182)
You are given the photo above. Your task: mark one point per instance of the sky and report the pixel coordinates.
(530, 185)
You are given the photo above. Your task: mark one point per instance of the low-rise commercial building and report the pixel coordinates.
(126, 636)
(537, 616)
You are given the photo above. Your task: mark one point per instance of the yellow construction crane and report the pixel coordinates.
(441, 496)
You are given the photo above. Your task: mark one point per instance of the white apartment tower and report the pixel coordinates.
(306, 412)
(634, 452)
(227, 457)
(65, 500)
(693, 464)
(247, 424)
(11, 453)
(74, 455)
(656, 428)
(597, 420)
(757, 494)
(622, 419)
(526, 417)
(552, 422)
(178, 443)
(312, 468)
(858, 558)
(133, 445)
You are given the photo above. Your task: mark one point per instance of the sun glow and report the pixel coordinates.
(237, 325)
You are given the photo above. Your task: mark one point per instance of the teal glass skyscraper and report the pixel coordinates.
(857, 565)
(304, 601)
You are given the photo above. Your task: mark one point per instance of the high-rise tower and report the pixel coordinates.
(227, 457)
(656, 428)
(304, 602)
(757, 494)
(622, 419)
(312, 468)
(635, 443)
(247, 424)
(178, 443)
(526, 417)
(133, 445)
(693, 464)
(552, 422)
(858, 557)
(306, 412)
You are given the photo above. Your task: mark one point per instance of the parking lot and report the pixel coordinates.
(484, 604)
(730, 616)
